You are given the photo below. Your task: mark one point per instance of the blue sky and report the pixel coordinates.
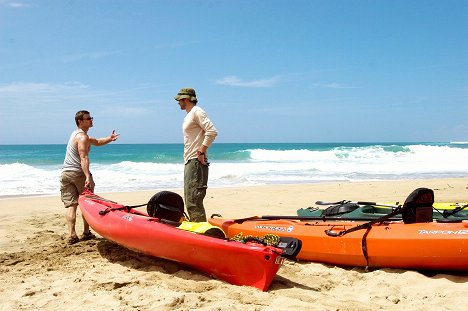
(265, 71)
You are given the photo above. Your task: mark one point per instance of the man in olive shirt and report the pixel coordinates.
(199, 132)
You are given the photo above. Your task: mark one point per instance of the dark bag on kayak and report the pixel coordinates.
(167, 206)
(418, 206)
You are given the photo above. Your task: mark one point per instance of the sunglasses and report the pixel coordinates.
(90, 118)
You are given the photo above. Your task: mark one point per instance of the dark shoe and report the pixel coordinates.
(73, 240)
(87, 236)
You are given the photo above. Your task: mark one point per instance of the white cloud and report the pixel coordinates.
(27, 96)
(69, 89)
(15, 4)
(28, 88)
(235, 81)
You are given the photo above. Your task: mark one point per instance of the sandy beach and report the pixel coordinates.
(39, 271)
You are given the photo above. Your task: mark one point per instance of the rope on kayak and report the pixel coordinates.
(120, 208)
(267, 239)
(109, 209)
(447, 213)
(366, 225)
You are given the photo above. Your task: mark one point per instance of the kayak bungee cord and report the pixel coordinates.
(419, 198)
(120, 208)
(111, 208)
(366, 225)
(447, 213)
(128, 208)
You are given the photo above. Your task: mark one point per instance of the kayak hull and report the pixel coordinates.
(248, 264)
(420, 246)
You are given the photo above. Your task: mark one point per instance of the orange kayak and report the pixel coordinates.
(393, 244)
(249, 264)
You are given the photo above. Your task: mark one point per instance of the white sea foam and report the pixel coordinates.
(22, 179)
(263, 167)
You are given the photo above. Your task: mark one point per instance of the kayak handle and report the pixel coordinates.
(329, 232)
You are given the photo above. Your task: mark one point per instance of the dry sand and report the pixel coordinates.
(39, 271)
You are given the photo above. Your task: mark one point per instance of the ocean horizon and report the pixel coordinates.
(35, 169)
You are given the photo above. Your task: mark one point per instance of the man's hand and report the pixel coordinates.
(89, 183)
(114, 136)
(202, 157)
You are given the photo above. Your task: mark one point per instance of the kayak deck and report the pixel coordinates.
(433, 246)
(441, 212)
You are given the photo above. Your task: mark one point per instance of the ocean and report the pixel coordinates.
(35, 169)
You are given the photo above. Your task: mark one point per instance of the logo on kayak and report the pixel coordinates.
(90, 202)
(127, 217)
(443, 232)
(275, 228)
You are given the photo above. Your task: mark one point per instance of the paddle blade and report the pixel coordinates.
(331, 203)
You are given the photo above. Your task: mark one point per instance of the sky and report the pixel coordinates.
(264, 71)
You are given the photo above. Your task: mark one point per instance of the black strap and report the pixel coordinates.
(365, 225)
(364, 246)
(447, 213)
(368, 226)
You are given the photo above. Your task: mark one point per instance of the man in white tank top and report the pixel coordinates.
(75, 175)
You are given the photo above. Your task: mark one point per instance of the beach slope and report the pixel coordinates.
(39, 271)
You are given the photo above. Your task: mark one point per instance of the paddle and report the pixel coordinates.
(324, 218)
(358, 202)
(445, 213)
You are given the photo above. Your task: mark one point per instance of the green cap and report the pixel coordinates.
(187, 93)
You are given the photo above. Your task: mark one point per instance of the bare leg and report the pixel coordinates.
(71, 220)
(85, 225)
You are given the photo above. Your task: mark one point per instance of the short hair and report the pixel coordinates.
(79, 116)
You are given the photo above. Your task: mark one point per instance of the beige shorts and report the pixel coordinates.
(71, 186)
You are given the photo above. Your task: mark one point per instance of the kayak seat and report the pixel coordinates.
(168, 206)
(339, 209)
(418, 206)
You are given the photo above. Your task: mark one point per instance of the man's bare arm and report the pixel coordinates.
(104, 140)
(83, 144)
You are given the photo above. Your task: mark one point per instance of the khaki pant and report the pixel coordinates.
(71, 186)
(195, 184)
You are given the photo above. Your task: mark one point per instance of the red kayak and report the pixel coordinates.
(250, 264)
